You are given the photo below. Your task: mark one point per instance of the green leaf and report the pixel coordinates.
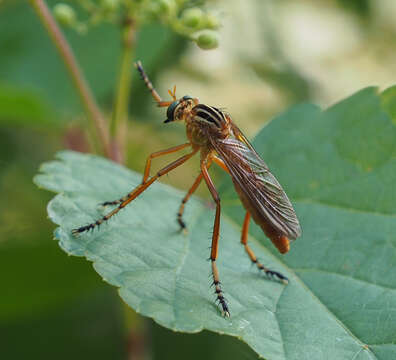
(339, 168)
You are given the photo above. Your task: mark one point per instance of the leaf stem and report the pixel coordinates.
(83, 90)
(120, 114)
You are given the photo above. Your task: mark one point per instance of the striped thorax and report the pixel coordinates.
(205, 122)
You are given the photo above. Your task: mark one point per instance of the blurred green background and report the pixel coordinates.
(272, 55)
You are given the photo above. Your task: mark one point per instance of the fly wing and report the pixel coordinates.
(261, 189)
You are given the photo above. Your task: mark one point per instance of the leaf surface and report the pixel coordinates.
(339, 169)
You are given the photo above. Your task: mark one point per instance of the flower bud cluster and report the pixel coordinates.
(192, 22)
(201, 27)
(96, 12)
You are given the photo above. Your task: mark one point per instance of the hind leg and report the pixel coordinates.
(252, 256)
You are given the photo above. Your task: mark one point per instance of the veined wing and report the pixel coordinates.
(260, 187)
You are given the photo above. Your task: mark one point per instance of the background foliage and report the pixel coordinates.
(60, 297)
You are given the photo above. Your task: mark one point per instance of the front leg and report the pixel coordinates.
(135, 193)
(147, 168)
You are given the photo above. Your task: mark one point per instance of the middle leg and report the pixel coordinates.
(187, 197)
(252, 256)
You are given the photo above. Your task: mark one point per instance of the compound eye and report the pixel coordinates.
(187, 97)
(170, 112)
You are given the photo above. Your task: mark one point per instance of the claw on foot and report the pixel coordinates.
(107, 203)
(224, 307)
(76, 232)
(276, 274)
(218, 291)
(182, 224)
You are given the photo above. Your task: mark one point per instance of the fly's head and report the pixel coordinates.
(180, 109)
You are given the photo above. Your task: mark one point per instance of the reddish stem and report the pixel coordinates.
(85, 93)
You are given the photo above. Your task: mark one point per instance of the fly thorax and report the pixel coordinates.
(206, 122)
(209, 117)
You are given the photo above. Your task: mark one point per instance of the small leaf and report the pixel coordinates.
(339, 168)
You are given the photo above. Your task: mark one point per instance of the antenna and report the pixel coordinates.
(150, 86)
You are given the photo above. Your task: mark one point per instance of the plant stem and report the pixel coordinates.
(118, 124)
(85, 93)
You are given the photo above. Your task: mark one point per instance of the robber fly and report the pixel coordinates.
(211, 132)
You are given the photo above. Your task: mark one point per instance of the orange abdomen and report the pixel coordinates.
(281, 241)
